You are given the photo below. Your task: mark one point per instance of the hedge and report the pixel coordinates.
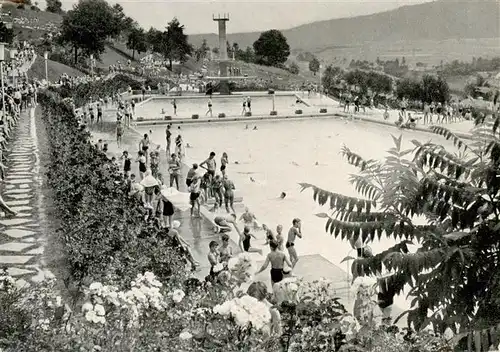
(82, 93)
(104, 232)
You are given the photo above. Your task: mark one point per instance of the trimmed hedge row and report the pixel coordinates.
(104, 230)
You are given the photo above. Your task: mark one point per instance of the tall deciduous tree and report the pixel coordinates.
(54, 6)
(447, 203)
(177, 46)
(314, 65)
(87, 27)
(271, 48)
(122, 21)
(136, 41)
(6, 34)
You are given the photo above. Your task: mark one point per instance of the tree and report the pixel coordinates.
(87, 27)
(136, 41)
(122, 22)
(446, 204)
(271, 49)
(434, 89)
(331, 78)
(248, 55)
(201, 52)
(54, 6)
(409, 89)
(6, 34)
(177, 46)
(155, 40)
(294, 68)
(314, 65)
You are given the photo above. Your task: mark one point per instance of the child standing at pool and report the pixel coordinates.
(209, 111)
(224, 160)
(244, 107)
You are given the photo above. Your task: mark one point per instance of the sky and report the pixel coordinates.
(247, 15)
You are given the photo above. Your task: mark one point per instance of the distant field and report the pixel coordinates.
(426, 51)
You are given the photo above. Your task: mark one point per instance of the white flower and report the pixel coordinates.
(148, 275)
(241, 317)
(231, 264)
(219, 267)
(92, 317)
(87, 307)
(99, 310)
(178, 295)
(95, 286)
(185, 335)
(156, 283)
(223, 309)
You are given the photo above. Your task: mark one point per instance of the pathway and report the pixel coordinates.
(22, 239)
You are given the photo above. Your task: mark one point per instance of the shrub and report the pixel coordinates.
(168, 118)
(273, 113)
(103, 229)
(323, 111)
(221, 115)
(195, 116)
(298, 112)
(82, 93)
(248, 114)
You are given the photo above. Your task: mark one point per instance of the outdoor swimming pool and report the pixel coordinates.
(279, 155)
(231, 106)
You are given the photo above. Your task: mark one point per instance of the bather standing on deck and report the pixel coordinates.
(293, 233)
(277, 260)
(228, 194)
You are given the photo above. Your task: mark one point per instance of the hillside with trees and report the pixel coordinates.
(436, 20)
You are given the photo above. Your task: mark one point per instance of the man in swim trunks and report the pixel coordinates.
(225, 222)
(211, 165)
(293, 233)
(169, 139)
(277, 260)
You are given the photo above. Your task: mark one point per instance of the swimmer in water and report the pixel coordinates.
(246, 127)
(316, 163)
(294, 163)
(254, 128)
(251, 179)
(237, 162)
(188, 146)
(162, 111)
(283, 195)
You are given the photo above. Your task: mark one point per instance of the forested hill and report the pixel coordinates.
(439, 20)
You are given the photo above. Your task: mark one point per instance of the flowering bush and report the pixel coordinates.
(246, 311)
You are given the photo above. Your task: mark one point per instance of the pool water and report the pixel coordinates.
(231, 106)
(280, 154)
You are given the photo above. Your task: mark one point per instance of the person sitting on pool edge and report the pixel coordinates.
(225, 222)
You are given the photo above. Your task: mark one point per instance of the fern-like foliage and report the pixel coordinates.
(454, 276)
